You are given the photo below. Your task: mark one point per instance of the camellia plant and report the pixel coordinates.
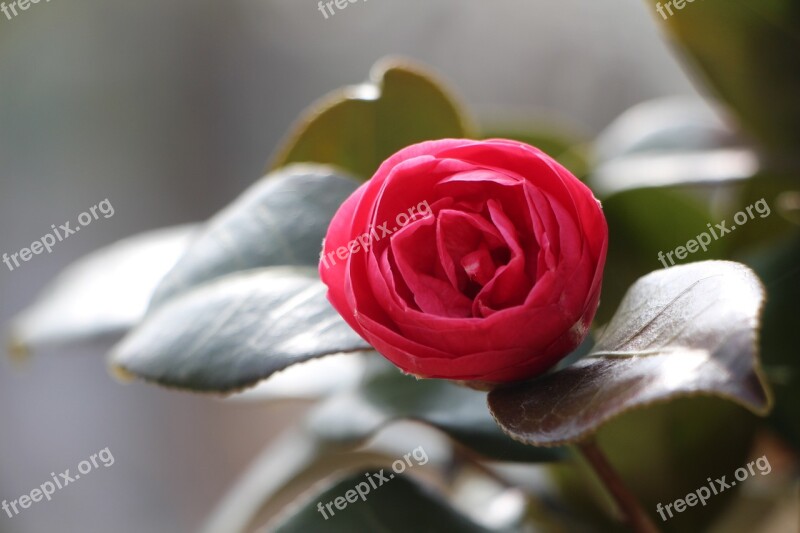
(399, 263)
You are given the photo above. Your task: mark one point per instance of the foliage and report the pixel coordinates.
(236, 300)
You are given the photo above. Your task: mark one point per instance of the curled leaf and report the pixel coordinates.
(687, 330)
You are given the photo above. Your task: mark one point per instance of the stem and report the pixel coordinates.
(632, 512)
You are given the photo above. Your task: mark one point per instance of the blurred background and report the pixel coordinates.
(169, 110)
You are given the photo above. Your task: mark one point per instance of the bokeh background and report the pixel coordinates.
(169, 110)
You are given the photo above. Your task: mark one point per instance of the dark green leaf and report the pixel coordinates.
(389, 395)
(749, 52)
(358, 127)
(638, 233)
(280, 220)
(705, 436)
(779, 267)
(281, 473)
(105, 293)
(398, 506)
(566, 147)
(235, 331)
(686, 330)
(772, 221)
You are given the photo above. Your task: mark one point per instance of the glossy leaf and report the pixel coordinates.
(235, 331)
(280, 220)
(105, 293)
(670, 142)
(638, 234)
(712, 167)
(685, 330)
(278, 476)
(749, 52)
(400, 505)
(779, 267)
(673, 124)
(389, 396)
(357, 128)
(769, 198)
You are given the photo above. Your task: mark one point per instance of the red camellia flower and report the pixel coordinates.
(468, 260)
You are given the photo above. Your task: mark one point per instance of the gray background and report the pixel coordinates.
(171, 108)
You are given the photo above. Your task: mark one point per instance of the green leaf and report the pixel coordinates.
(557, 141)
(779, 267)
(686, 330)
(389, 396)
(280, 220)
(235, 331)
(357, 128)
(399, 505)
(775, 227)
(638, 233)
(706, 436)
(663, 169)
(280, 475)
(670, 142)
(638, 217)
(749, 52)
(672, 124)
(103, 294)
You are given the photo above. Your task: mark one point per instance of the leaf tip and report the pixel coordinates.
(120, 373)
